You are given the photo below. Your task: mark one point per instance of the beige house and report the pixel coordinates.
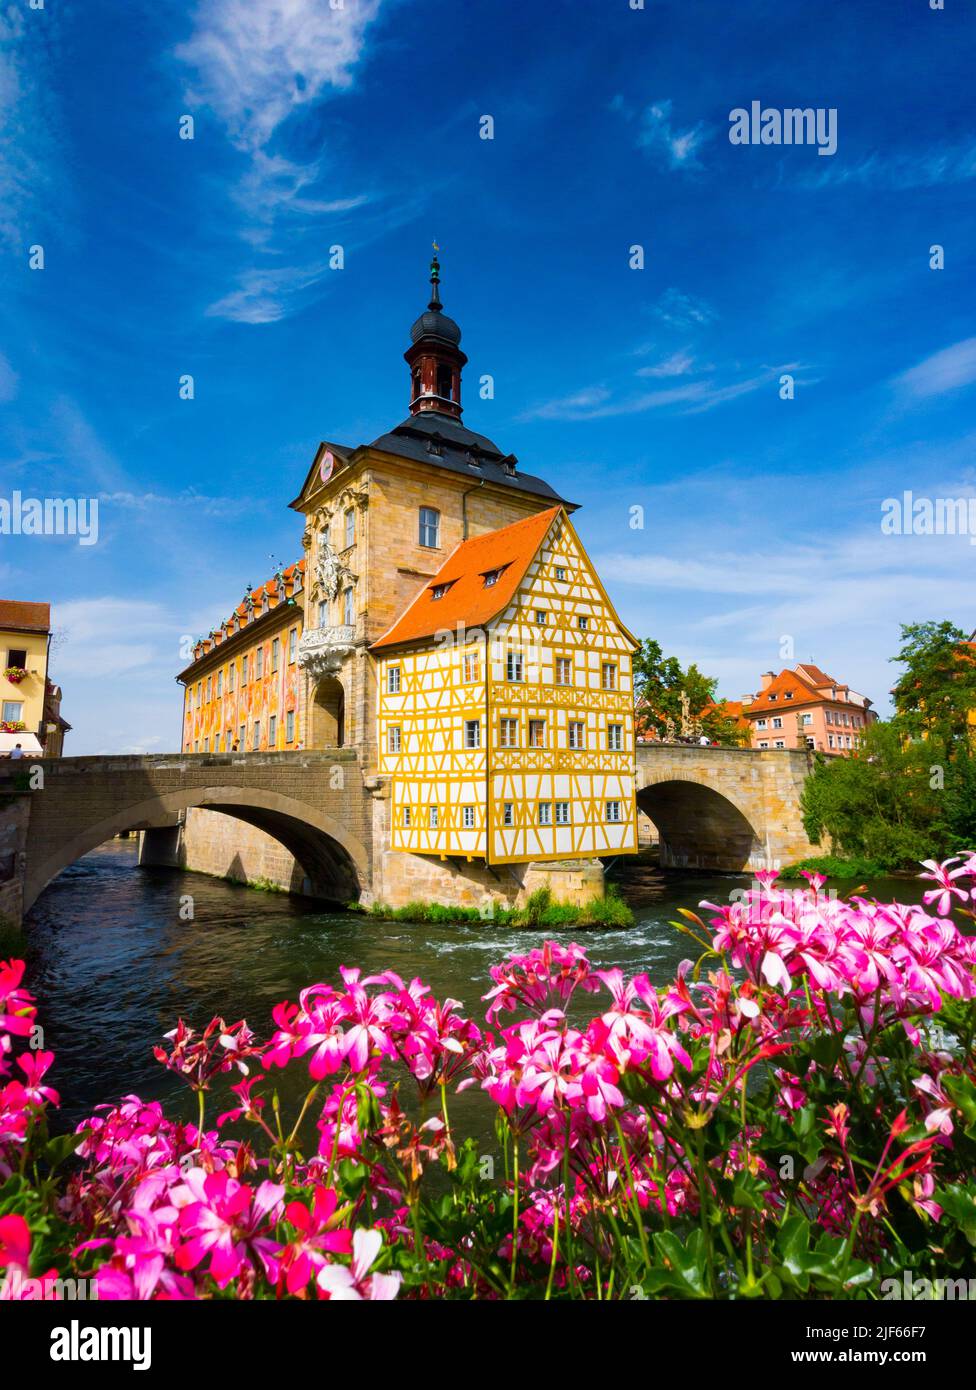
(30, 703)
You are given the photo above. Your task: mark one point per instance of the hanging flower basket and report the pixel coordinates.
(16, 674)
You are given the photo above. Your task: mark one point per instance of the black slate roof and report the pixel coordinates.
(432, 438)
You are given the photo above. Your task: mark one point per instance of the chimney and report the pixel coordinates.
(747, 700)
(765, 679)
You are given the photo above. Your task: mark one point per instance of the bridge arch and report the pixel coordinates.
(334, 860)
(700, 827)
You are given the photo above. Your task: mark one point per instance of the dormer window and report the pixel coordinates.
(434, 448)
(491, 578)
(787, 694)
(772, 697)
(439, 590)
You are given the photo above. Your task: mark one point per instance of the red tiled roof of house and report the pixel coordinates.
(25, 617)
(467, 599)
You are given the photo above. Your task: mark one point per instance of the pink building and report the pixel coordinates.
(803, 707)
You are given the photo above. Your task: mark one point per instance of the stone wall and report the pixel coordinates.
(211, 843)
(14, 817)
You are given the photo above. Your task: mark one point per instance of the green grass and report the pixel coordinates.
(265, 885)
(539, 911)
(835, 866)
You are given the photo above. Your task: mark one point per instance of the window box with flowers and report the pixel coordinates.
(12, 726)
(16, 674)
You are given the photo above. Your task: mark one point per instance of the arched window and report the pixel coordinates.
(445, 381)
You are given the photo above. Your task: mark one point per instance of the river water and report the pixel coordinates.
(114, 963)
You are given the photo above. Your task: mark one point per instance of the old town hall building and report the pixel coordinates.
(446, 623)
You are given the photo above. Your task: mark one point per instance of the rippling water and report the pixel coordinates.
(114, 966)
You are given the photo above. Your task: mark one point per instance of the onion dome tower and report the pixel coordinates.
(435, 357)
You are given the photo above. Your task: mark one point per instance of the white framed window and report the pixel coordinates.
(472, 733)
(508, 813)
(433, 816)
(761, 724)
(541, 617)
(780, 743)
(220, 684)
(256, 735)
(582, 622)
(323, 612)
(763, 744)
(206, 745)
(615, 737)
(777, 723)
(209, 689)
(259, 663)
(290, 726)
(514, 670)
(292, 645)
(577, 733)
(562, 812)
(347, 613)
(613, 812)
(231, 673)
(393, 738)
(430, 527)
(242, 737)
(609, 675)
(275, 655)
(472, 666)
(806, 718)
(508, 733)
(560, 573)
(13, 711)
(467, 817)
(273, 731)
(545, 813)
(564, 670)
(393, 680)
(350, 520)
(537, 733)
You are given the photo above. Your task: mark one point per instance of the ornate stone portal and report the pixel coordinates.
(322, 650)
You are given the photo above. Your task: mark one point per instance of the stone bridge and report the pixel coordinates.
(714, 808)
(724, 808)
(317, 805)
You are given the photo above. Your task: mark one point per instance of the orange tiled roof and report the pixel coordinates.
(290, 575)
(467, 600)
(25, 617)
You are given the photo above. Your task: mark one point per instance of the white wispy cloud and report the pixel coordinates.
(27, 165)
(722, 610)
(256, 65)
(899, 169)
(676, 149)
(690, 398)
(8, 380)
(678, 364)
(682, 310)
(946, 370)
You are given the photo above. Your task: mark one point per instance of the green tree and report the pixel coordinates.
(936, 691)
(660, 683)
(883, 803)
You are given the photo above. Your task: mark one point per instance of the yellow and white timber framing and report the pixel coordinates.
(515, 742)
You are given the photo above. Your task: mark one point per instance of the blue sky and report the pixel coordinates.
(657, 388)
